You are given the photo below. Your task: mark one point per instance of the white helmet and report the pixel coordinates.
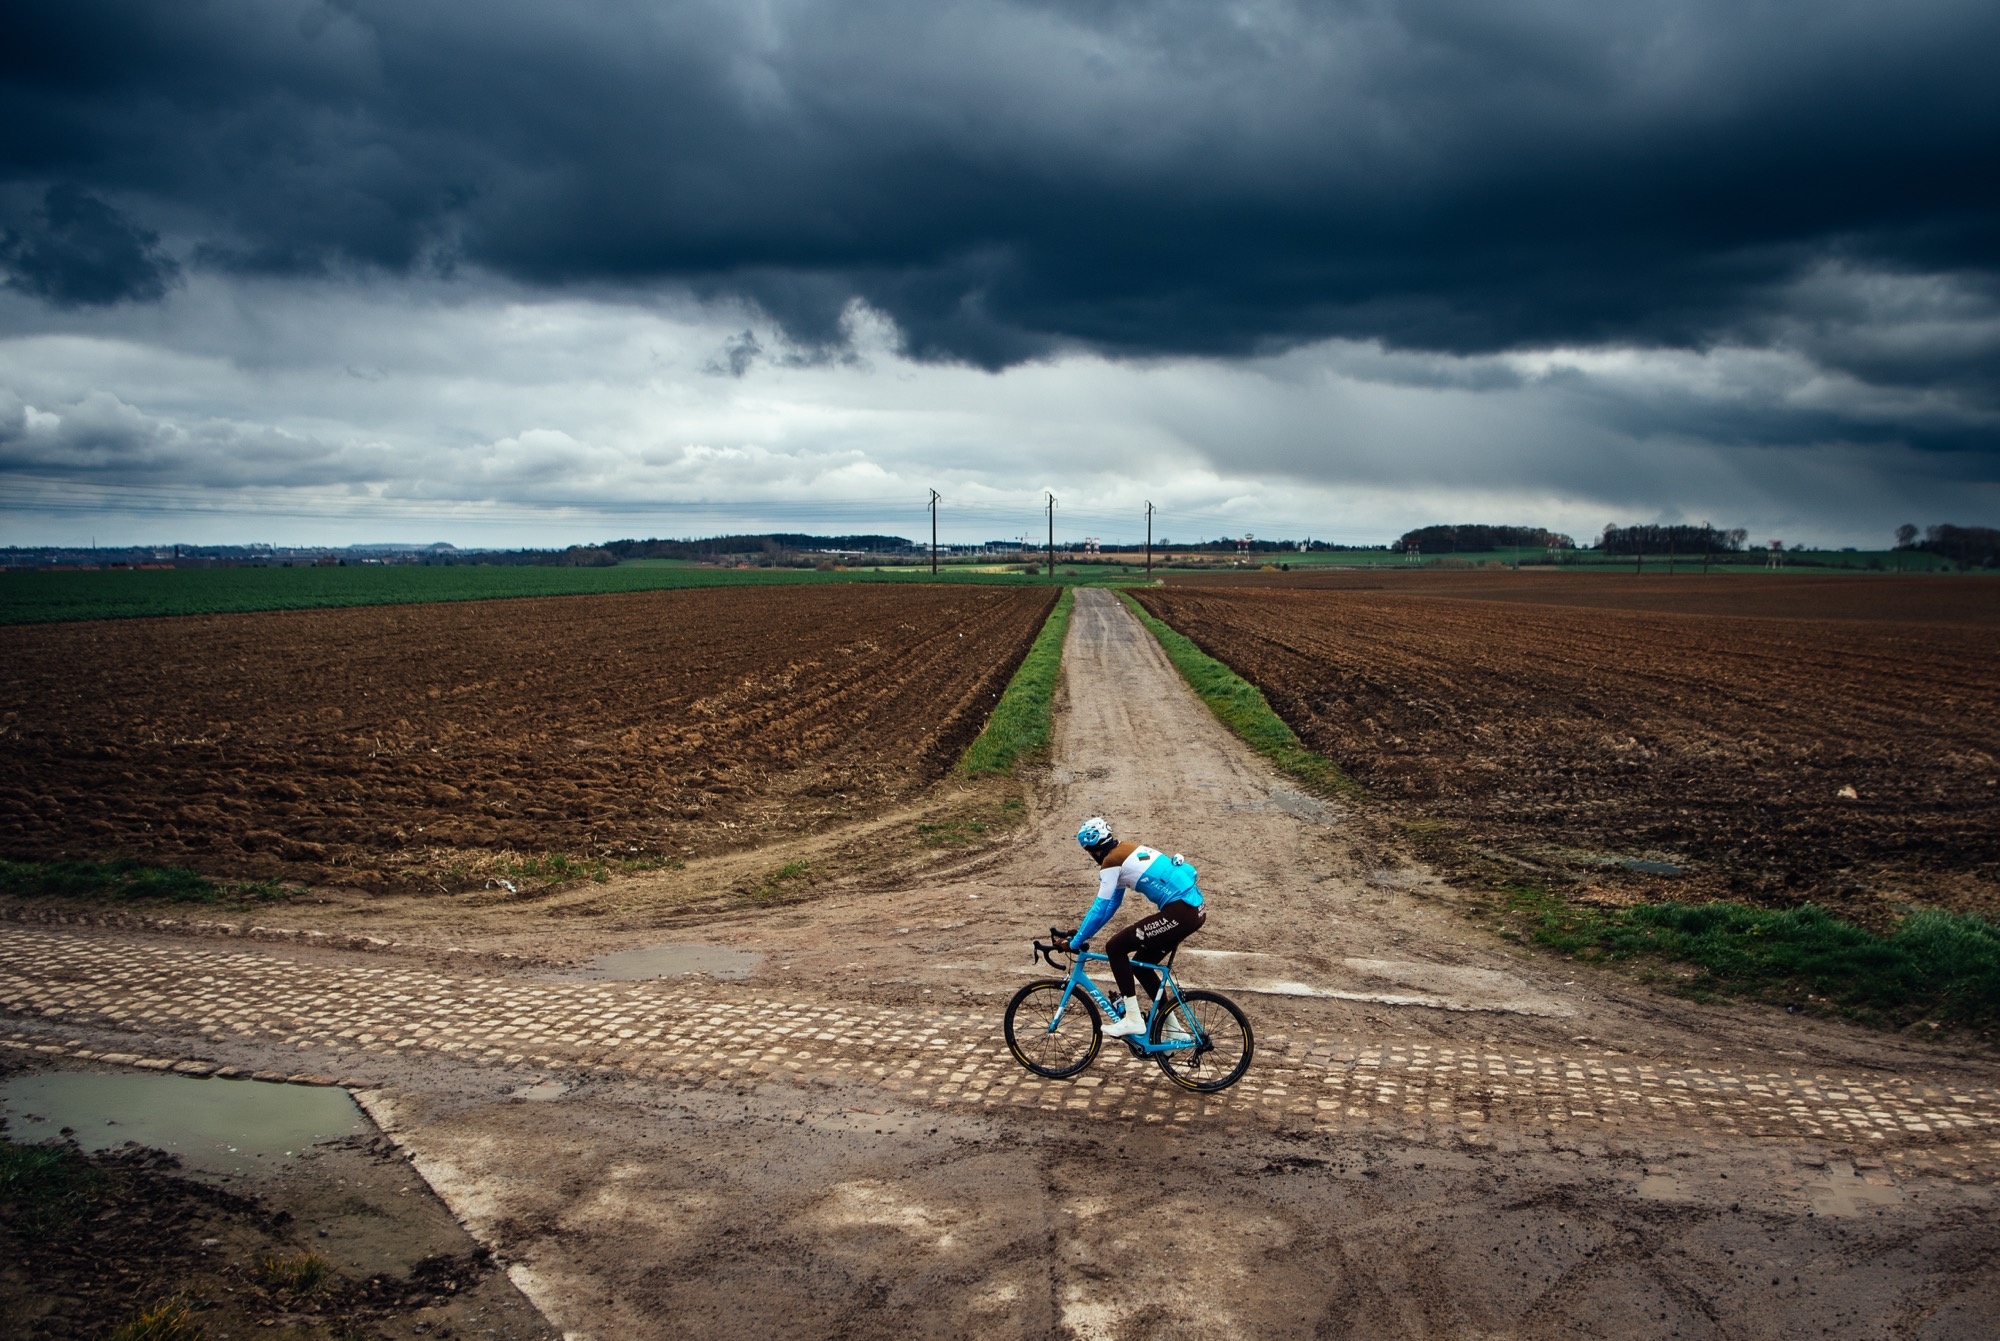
(1094, 830)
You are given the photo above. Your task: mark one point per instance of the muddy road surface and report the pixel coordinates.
(820, 1133)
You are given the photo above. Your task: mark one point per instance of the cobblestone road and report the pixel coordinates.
(334, 1015)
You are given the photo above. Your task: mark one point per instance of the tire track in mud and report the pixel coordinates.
(336, 1016)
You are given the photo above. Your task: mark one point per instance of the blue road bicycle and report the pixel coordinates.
(1055, 1025)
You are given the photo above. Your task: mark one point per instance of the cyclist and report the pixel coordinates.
(1169, 882)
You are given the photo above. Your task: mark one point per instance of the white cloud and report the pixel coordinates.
(331, 414)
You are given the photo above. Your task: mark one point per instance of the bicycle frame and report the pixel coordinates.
(1139, 1043)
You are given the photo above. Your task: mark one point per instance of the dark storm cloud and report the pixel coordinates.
(77, 251)
(1003, 180)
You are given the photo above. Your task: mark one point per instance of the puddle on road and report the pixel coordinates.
(215, 1126)
(1296, 804)
(1308, 808)
(1657, 863)
(674, 961)
(1437, 986)
(1461, 987)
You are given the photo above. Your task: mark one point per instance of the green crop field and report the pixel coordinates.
(1809, 561)
(42, 598)
(34, 598)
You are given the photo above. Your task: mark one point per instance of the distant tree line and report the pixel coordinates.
(775, 544)
(1972, 546)
(781, 548)
(1671, 540)
(576, 556)
(1482, 539)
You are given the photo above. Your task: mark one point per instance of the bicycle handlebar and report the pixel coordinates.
(1049, 951)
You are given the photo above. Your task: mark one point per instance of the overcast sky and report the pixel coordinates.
(515, 273)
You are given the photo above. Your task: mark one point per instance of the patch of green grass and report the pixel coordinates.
(782, 880)
(551, 870)
(1934, 965)
(649, 862)
(951, 833)
(167, 1320)
(1020, 724)
(293, 1273)
(131, 880)
(1241, 707)
(556, 868)
(46, 1186)
(965, 830)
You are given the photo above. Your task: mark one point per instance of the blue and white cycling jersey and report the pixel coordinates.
(1162, 879)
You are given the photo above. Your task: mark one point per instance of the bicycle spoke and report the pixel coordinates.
(1046, 1035)
(1220, 1042)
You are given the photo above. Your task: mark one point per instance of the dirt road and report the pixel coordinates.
(1442, 1137)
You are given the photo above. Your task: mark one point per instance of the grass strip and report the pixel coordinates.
(128, 880)
(1242, 707)
(1934, 966)
(1020, 724)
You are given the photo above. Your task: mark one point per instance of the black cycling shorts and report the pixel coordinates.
(1152, 940)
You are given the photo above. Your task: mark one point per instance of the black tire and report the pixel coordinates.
(1228, 1042)
(1074, 1043)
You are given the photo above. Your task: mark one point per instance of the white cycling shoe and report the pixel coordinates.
(1128, 1025)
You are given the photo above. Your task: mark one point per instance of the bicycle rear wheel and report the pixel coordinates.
(1223, 1042)
(1046, 1046)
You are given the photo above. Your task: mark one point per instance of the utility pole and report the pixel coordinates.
(1149, 537)
(1707, 544)
(934, 501)
(1052, 537)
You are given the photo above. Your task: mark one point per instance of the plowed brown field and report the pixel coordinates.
(1842, 596)
(364, 744)
(1574, 739)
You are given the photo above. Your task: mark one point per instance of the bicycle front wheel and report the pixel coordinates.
(1215, 1042)
(1048, 1045)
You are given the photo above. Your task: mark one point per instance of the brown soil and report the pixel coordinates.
(1904, 599)
(1559, 738)
(407, 744)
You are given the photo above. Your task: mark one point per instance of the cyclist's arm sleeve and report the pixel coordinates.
(1109, 896)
